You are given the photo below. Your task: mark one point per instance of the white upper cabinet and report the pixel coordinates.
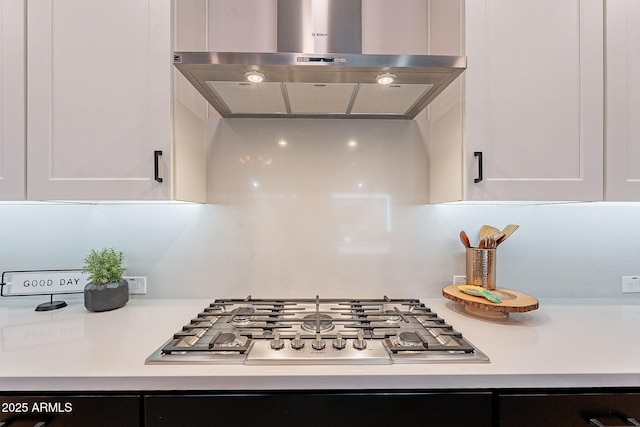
(534, 99)
(99, 100)
(12, 100)
(622, 168)
(532, 105)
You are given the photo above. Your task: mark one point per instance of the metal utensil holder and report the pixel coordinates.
(481, 267)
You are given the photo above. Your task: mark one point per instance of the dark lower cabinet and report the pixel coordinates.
(310, 409)
(70, 411)
(481, 408)
(569, 410)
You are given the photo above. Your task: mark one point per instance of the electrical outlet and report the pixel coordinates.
(459, 280)
(630, 284)
(137, 285)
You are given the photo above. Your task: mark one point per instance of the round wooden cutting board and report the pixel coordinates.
(512, 301)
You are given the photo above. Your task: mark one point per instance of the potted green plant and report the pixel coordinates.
(106, 289)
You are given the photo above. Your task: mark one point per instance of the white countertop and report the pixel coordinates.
(565, 343)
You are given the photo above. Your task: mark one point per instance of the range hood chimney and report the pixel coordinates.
(318, 71)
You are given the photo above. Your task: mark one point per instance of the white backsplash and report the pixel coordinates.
(328, 207)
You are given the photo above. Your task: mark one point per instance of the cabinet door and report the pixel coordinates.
(12, 94)
(99, 99)
(311, 409)
(70, 411)
(622, 168)
(534, 99)
(564, 410)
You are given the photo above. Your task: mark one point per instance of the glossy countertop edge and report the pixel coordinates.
(518, 348)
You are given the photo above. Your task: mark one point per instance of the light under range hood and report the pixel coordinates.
(318, 85)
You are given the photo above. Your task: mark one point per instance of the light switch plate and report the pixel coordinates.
(459, 280)
(137, 285)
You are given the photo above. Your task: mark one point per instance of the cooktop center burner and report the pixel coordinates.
(317, 322)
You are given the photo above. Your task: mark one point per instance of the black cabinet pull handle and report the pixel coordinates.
(156, 165)
(478, 154)
(595, 423)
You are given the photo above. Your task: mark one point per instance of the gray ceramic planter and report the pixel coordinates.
(106, 297)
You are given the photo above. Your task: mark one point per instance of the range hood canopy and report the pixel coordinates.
(345, 84)
(310, 86)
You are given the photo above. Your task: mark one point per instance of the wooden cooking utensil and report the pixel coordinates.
(508, 231)
(487, 231)
(489, 236)
(465, 239)
(494, 237)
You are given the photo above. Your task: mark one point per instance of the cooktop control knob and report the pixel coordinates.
(318, 343)
(277, 343)
(359, 343)
(339, 343)
(297, 342)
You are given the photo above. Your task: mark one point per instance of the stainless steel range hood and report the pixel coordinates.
(297, 83)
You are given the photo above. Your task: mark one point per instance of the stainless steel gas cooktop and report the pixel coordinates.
(316, 331)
